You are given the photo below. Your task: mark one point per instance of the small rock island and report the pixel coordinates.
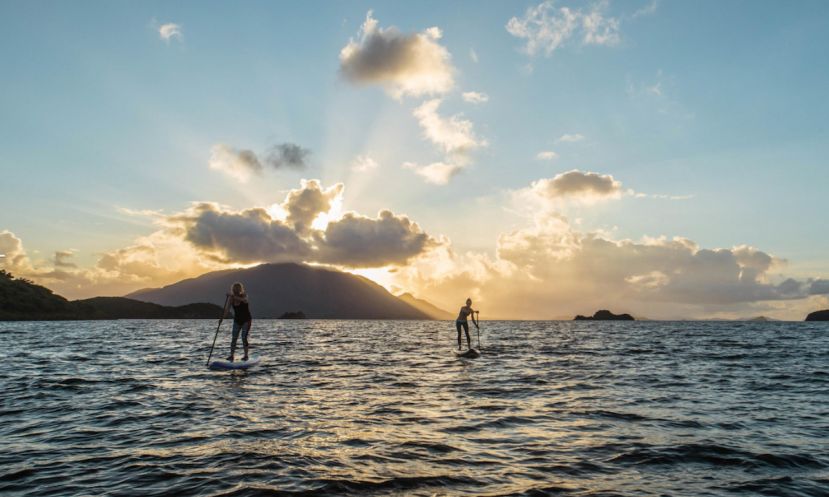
(604, 315)
(293, 315)
(818, 315)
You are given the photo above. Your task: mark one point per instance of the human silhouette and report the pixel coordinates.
(466, 311)
(242, 318)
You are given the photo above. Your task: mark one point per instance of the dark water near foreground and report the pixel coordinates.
(384, 408)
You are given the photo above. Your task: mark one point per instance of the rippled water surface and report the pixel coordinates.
(385, 408)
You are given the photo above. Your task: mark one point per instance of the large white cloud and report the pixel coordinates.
(359, 241)
(546, 27)
(247, 236)
(406, 64)
(288, 232)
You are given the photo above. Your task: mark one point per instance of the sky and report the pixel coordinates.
(662, 158)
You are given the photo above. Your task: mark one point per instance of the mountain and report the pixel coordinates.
(275, 289)
(425, 307)
(604, 315)
(818, 316)
(20, 299)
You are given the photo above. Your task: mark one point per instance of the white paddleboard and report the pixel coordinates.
(227, 365)
(469, 354)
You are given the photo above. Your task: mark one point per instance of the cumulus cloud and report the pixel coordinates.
(247, 236)
(580, 185)
(406, 64)
(170, 31)
(547, 28)
(551, 270)
(239, 164)
(309, 201)
(287, 155)
(546, 155)
(475, 97)
(358, 241)
(14, 255)
(437, 173)
(292, 235)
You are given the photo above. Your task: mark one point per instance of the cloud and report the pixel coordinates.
(475, 97)
(309, 201)
(239, 164)
(454, 135)
(14, 255)
(291, 232)
(473, 55)
(547, 28)
(170, 31)
(247, 236)
(287, 155)
(358, 241)
(242, 164)
(570, 138)
(580, 185)
(648, 9)
(406, 64)
(437, 173)
(62, 259)
(546, 155)
(819, 287)
(363, 163)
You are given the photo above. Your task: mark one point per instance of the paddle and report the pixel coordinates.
(478, 329)
(224, 310)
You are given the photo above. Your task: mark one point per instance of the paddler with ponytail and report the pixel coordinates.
(242, 319)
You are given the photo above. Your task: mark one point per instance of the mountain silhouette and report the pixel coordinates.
(275, 289)
(426, 307)
(21, 299)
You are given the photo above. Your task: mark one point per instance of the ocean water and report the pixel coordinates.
(385, 408)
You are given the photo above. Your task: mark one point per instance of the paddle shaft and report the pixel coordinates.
(478, 329)
(224, 309)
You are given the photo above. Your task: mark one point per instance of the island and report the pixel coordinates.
(818, 315)
(604, 315)
(293, 315)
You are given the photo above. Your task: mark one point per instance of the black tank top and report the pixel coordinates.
(241, 313)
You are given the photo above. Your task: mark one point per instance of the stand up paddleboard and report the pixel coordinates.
(468, 354)
(227, 365)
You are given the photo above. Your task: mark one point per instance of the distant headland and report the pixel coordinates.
(23, 300)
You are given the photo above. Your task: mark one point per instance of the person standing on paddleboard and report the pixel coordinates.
(242, 319)
(462, 322)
